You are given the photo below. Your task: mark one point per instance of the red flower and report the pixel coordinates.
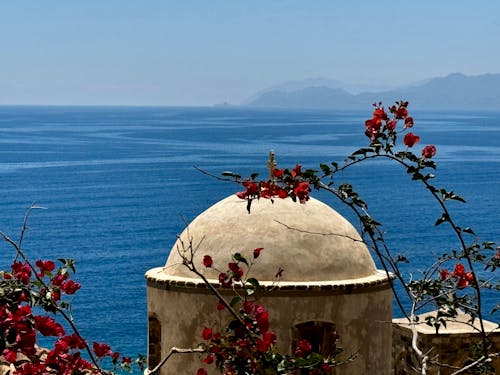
(48, 326)
(208, 360)
(401, 112)
(463, 278)
(236, 270)
(45, 266)
(69, 342)
(248, 306)
(256, 252)
(21, 272)
(207, 261)
(70, 287)
(379, 113)
(224, 281)
(220, 306)
(410, 139)
(251, 190)
(459, 270)
(278, 173)
(201, 371)
(59, 279)
(408, 122)
(267, 340)
(207, 333)
(444, 274)
(373, 128)
(391, 125)
(101, 350)
(297, 171)
(305, 346)
(10, 355)
(262, 318)
(301, 191)
(429, 151)
(126, 360)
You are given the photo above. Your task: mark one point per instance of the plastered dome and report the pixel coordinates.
(329, 283)
(311, 242)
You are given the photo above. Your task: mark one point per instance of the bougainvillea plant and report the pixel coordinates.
(32, 299)
(446, 292)
(246, 343)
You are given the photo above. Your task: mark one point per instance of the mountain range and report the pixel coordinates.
(453, 92)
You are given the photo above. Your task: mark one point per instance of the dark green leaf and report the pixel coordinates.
(239, 258)
(254, 282)
(442, 219)
(234, 301)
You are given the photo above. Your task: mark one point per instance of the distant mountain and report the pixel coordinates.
(455, 91)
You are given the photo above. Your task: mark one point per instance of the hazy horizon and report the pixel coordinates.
(201, 53)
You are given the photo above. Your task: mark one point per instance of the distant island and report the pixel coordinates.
(453, 92)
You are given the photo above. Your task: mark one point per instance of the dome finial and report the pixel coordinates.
(271, 165)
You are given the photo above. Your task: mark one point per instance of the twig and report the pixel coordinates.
(473, 364)
(172, 351)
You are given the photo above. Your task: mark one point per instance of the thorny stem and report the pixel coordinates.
(20, 252)
(454, 227)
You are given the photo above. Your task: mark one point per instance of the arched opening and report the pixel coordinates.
(154, 342)
(322, 336)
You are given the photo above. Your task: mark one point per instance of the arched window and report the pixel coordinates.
(321, 335)
(154, 341)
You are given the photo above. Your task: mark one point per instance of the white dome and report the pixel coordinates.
(311, 242)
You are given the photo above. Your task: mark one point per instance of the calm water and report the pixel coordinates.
(118, 184)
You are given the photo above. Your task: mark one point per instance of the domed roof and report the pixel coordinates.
(311, 242)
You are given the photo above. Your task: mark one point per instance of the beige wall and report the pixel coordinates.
(363, 320)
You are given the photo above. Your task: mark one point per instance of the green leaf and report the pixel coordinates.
(254, 282)
(239, 258)
(457, 198)
(253, 176)
(442, 219)
(468, 230)
(234, 301)
(230, 174)
(326, 169)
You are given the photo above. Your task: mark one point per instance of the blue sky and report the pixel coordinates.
(204, 52)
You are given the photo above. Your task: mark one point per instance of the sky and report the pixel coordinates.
(162, 52)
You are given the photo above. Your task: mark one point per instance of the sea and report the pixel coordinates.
(117, 184)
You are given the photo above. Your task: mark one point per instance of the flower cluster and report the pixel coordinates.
(42, 286)
(460, 277)
(383, 127)
(247, 344)
(285, 183)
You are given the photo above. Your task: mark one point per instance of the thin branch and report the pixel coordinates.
(476, 362)
(172, 351)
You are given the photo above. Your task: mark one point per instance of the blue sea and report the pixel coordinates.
(118, 184)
